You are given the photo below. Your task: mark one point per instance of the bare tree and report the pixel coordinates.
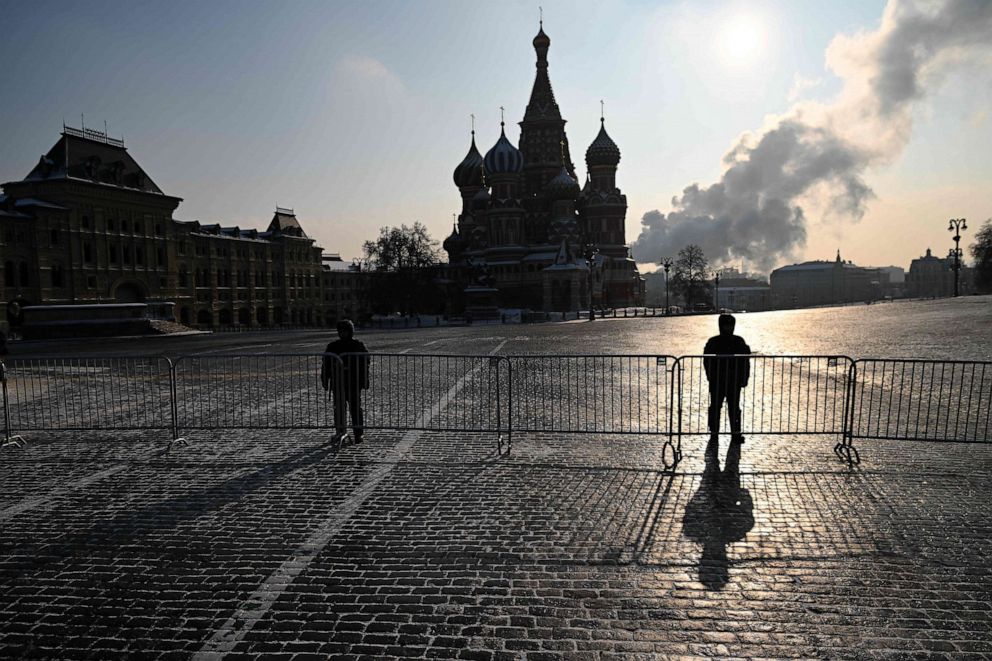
(689, 276)
(399, 248)
(981, 250)
(404, 278)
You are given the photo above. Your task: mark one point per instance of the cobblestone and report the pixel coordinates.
(568, 548)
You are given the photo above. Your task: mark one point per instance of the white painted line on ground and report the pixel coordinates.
(255, 607)
(228, 349)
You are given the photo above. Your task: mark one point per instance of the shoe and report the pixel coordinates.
(358, 439)
(737, 438)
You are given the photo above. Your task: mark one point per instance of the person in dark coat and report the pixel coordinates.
(347, 384)
(726, 375)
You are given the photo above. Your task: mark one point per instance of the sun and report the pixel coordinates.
(741, 38)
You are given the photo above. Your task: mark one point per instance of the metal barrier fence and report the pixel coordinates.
(780, 394)
(603, 394)
(651, 395)
(106, 393)
(258, 391)
(285, 391)
(922, 400)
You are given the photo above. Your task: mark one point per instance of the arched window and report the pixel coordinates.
(25, 275)
(57, 277)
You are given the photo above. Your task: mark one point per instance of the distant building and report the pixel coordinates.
(933, 277)
(88, 225)
(824, 283)
(893, 279)
(743, 292)
(525, 220)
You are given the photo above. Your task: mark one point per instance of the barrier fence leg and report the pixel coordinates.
(174, 406)
(669, 448)
(12, 440)
(499, 408)
(845, 447)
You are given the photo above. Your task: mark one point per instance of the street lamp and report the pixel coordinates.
(590, 254)
(716, 294)
(956, 225)
(667, 265)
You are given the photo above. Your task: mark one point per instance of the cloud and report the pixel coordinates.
(364, 71)
(814, 156)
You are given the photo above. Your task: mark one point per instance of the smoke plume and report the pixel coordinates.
(815, 155)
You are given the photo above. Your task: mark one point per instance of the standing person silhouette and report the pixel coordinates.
(354, 378)
(726, 376)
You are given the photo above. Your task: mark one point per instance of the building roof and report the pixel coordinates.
(284, 222)
(89, 155)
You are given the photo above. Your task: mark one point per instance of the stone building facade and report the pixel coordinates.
(824, 283)
(88, 225)
(529, 226)
(933, 277)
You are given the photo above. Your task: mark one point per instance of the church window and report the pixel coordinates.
(91, 282)
(86, 221)
(160, 254)
(112, 250)
(126, 254)
(53, 237)
(139, 256)
(111, 225)
(25, 276)
(87, 252)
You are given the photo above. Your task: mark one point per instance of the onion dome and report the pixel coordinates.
(563, 187)
(503, 158)
(542, 40)
(454, 242)
(469, 171)
(481, 199)
(603, 151)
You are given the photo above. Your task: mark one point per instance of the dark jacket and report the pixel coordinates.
(355, 369)
(727, 372)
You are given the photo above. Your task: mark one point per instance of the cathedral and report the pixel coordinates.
(528, 231)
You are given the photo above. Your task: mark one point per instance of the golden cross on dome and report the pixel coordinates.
(472, 115)
(501, 115)
(541, 9)
(602, 107)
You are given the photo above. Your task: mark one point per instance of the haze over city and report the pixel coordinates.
(870, 118)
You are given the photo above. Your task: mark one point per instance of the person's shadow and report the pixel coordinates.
(719, 513)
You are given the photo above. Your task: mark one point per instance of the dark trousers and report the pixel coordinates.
(733, 397)
(352, 399)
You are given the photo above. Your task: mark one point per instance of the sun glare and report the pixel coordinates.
(741, 38)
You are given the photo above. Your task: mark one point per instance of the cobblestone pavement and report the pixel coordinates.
(430, 545)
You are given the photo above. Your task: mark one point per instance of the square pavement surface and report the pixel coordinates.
(431, 545)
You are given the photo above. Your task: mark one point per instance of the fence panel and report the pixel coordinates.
(783, 395)
(257, 391)
(434, 392)
(924, 400)
(592, 394)
(106, 393)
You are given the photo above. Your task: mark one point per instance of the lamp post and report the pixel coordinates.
(956, 225)
(590, 254)
(667, 265)
(716, 294)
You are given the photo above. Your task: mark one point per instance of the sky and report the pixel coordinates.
(356, 113)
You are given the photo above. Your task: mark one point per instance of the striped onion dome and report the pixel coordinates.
(469, 171)
(563, 187)
(503, 158)
(603, 151)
